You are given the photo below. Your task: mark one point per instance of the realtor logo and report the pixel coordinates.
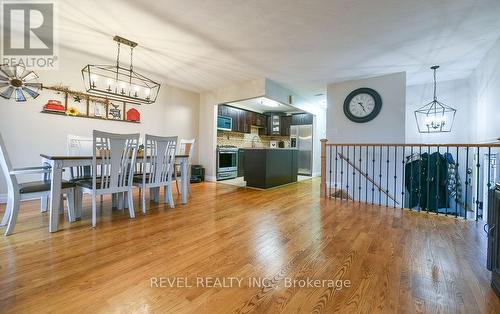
(28, 34)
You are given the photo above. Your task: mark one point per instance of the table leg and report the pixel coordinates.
(184, 180)
(55, 195)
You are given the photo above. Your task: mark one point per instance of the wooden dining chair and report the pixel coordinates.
(157, 167)
(114, 172)
(18, 192)
(186, 147)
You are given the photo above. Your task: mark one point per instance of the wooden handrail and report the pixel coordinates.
(381, 189)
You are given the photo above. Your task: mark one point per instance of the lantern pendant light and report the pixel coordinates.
(435, 117)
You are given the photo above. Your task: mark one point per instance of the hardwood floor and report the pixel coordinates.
(381, 259)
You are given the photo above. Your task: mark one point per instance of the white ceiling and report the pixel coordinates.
(303, 45)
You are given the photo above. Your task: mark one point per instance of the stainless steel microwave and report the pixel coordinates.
(224, 123)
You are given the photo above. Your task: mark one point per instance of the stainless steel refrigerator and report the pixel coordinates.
(301, 137)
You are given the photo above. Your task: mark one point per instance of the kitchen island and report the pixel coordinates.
(270, 167)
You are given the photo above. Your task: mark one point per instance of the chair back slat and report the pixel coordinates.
(159, 158)
(6, 166)
(80, 146)
(186, 147)
(117, 153)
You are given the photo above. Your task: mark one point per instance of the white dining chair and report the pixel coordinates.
(186, 147)
(115, 171)
(79, 146)
(18, 192)
(157, 168)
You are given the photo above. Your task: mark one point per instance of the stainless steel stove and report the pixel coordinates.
(227, 162)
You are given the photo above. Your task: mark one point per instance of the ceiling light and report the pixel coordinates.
(120, 83)
(269, 103)
(435, 117)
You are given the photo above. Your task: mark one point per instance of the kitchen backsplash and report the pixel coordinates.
(244, 140)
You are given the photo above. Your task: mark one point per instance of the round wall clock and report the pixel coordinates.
(362, 105)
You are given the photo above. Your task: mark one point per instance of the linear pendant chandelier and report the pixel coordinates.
(435, 117)
(120, 83)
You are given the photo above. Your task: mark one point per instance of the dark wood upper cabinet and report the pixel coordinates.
(302, 119)
(286, 122)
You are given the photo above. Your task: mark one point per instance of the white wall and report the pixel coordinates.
(456, 94)
(387, 127)
(27, 132)
(485, 83)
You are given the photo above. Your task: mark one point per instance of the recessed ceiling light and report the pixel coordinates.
(269, 103)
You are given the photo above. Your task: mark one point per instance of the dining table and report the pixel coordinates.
(58, 162)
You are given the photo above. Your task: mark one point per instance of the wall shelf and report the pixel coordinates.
(86, 100)
(87, 117)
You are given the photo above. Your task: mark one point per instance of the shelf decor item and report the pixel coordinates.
(76, 104)
(133, 115)
(72, 111)
(435, 117)
(118, 82)
(53, 105)
(17, 82)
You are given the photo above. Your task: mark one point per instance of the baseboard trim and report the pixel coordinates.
(3, 198)
(211, 178)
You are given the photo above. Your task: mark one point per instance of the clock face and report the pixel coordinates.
(362, 105)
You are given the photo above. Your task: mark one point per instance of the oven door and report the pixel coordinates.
(227, 161)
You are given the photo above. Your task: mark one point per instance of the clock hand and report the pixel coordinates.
(361, 104)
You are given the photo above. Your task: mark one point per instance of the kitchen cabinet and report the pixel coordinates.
(302, 119)
(238, 116)
(274, 123)
(286, 122)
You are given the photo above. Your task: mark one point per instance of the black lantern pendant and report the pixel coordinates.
(435, 117)
(118, 82)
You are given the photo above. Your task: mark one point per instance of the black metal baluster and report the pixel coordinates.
(354, 173)
(403, 176)
(428, 177)
(366, 179)
(489, 169)
(330, 183)
(411, 177)
(457, 183)
(380, 178)
(447, 181)
(478, 168)
(387, 180)
(347, 176)
(336, 173)
(437, 180)
(395, 174)
(466, 181)
(342, 174)
(420, 180)
(359, 175)
(373, 174)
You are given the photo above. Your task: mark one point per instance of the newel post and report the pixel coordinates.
(323, 168)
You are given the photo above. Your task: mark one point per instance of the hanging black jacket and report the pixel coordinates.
(425, 180)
